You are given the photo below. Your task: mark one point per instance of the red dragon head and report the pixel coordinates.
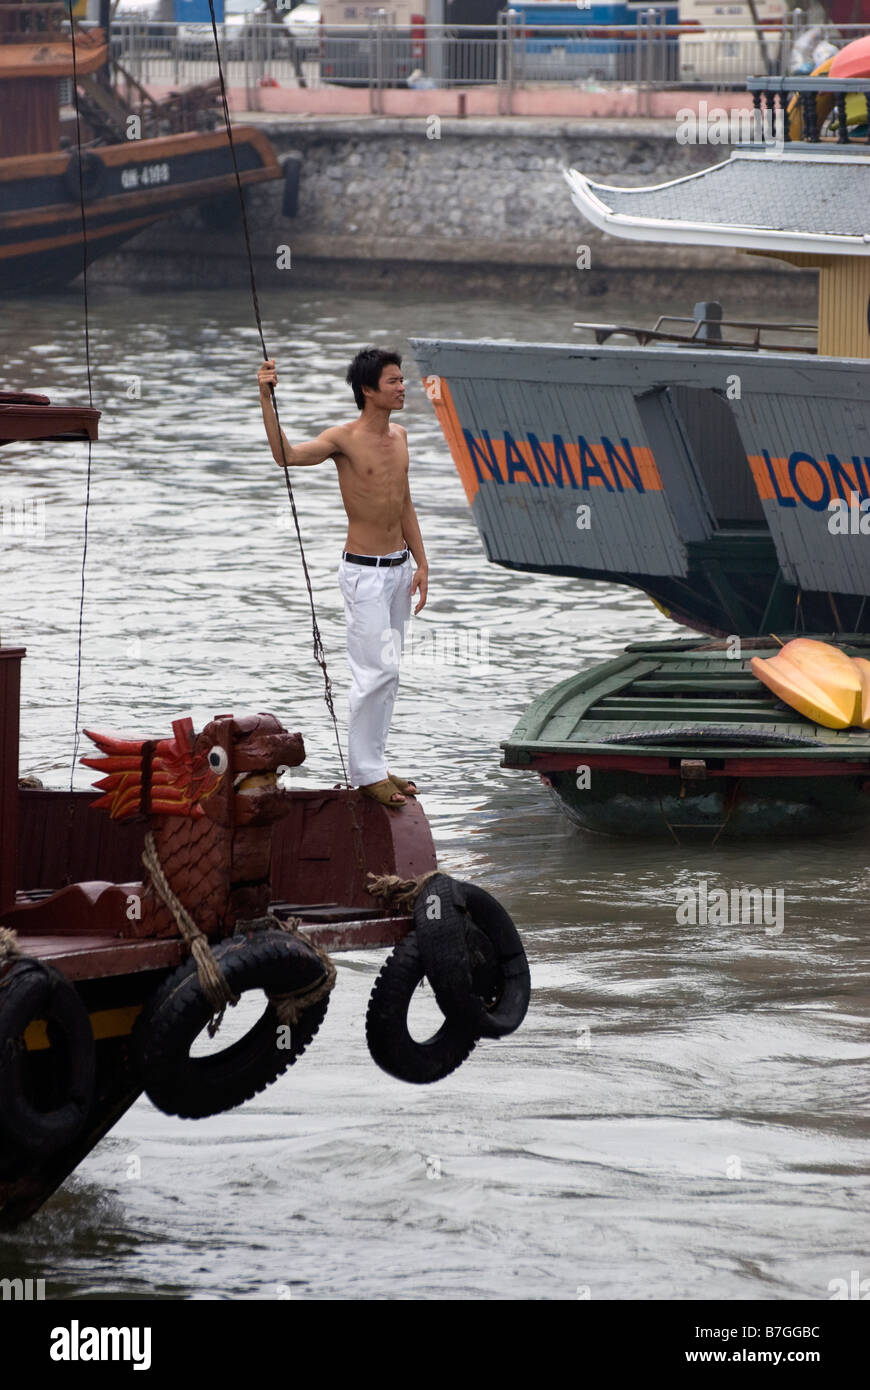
(228, 772)
(211, 798)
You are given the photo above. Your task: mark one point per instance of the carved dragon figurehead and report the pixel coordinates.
(211, 799)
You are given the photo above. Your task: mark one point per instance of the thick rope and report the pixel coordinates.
(212, 980)
(9, 949)
(291, 1006)
(401, 892)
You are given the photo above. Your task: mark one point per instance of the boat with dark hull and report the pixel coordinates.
(129, 922)
(633, 465)
(729, 483)
(680, 740)
(141, 159)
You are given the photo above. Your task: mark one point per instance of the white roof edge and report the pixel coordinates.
(570, 174)
(635, 228)
(840, 154)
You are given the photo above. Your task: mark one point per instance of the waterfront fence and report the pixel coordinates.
(650, 55)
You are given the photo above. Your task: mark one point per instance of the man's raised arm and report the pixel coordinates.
(300, 455)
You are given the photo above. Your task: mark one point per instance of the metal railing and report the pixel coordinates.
(799, 115)
(649, 56)
(28, 23)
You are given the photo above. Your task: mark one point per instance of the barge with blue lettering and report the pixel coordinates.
(729, 482)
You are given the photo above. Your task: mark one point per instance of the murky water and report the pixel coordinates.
(684, 1113)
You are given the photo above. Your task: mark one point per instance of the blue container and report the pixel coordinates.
(588, 53)
(197, 11)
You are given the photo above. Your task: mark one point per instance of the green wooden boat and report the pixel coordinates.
(680, 739)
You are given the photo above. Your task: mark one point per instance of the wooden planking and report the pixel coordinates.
(99, 957)
(29, 115)
(693, 683)
(789, 405)
(803, 429)
(62, 838)
(718, 453)
(694, 712)
(844, 296)
(574, 710)
(549, 705)
(536, 526)
(615, 699)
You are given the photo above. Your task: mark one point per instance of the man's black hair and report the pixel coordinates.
(366, 368)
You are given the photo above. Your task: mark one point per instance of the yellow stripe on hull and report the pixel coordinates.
(105, 1023)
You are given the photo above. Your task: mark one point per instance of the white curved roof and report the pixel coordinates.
(802, 199)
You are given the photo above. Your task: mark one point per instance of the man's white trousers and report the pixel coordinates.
(377, 605)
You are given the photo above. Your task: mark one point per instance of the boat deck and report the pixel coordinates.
(659, 697)
(97, 955)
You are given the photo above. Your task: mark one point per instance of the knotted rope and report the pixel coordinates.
(9, 950)
(289, 1007)
(403, 892)
(211, 978)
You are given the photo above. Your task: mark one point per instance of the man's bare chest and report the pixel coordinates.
(384, 469)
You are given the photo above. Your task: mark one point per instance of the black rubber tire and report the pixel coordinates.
(390, 1042)
(194, 1087)
(495, 925)
(472, 956)
(93, 178)
(699, 733)
(32, 990)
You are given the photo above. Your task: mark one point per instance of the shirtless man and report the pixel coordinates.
(371, 455)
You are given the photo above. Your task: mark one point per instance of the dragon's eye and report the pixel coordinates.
(217, 760)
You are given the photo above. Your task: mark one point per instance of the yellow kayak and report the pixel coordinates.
(864, 672)
(818, 680)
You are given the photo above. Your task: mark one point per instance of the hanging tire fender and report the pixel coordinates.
(472, 956)
(193, 1087)
(388, 1036)
(93, 176)
(29, 991)
(497, 926)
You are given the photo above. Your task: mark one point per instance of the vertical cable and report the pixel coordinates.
(90, 397)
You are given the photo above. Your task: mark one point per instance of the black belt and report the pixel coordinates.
(378, 560)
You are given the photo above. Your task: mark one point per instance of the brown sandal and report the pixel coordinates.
(406, 786)
(385, 793)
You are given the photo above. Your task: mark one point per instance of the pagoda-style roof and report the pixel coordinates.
(26, 416)
(801, 198)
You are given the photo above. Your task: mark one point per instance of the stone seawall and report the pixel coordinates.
(465, 205)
